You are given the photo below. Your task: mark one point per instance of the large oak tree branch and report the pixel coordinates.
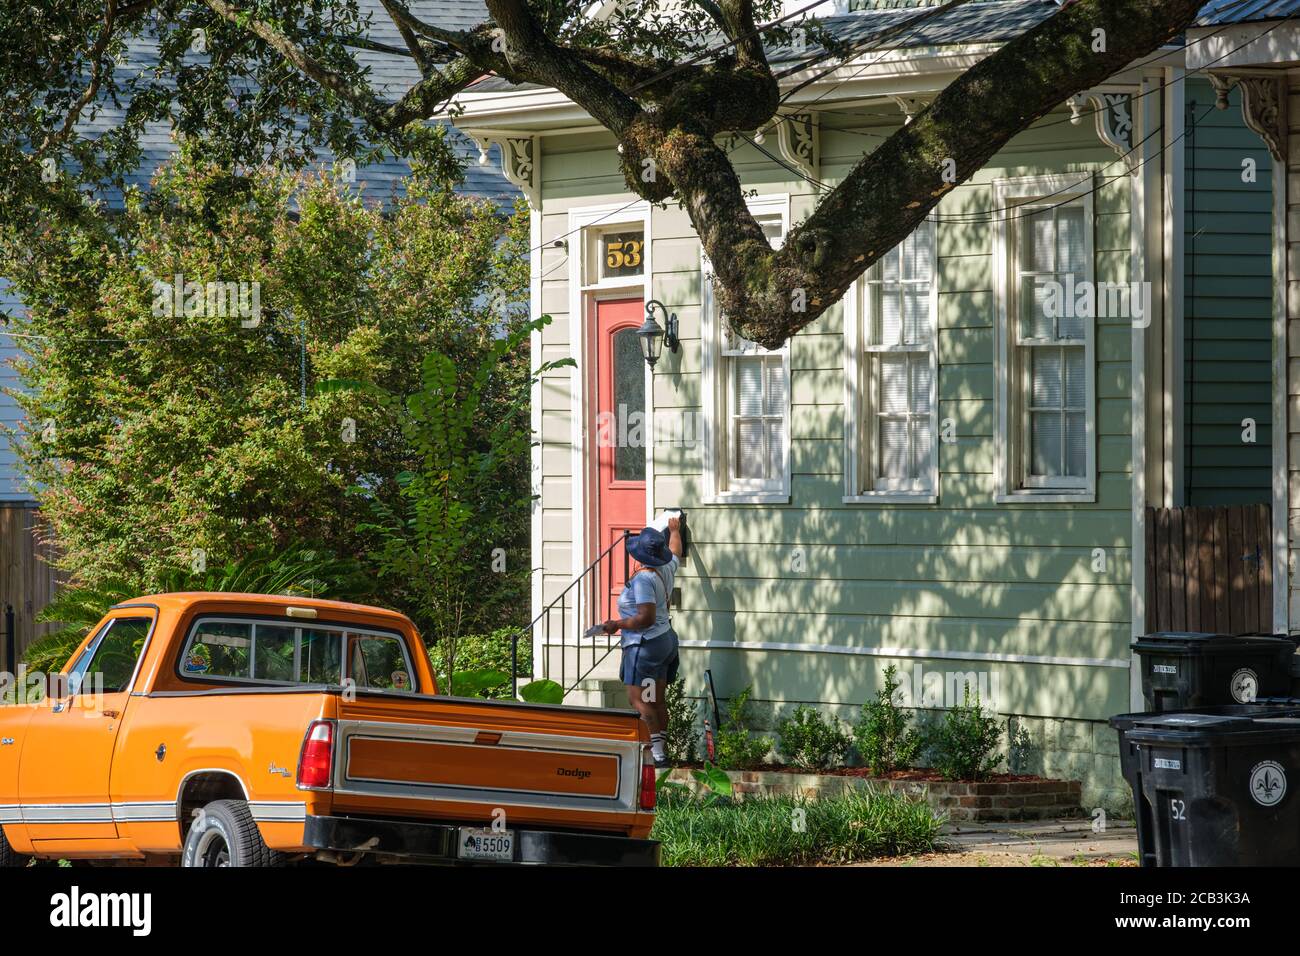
(419, 102)
(669, 142)
(534, 56)
(890, 191)
(97, 66)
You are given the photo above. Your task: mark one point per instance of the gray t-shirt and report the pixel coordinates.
(648, 586)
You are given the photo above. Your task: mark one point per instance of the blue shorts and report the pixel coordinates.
(655, 658)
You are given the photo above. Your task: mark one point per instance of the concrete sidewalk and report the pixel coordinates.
(1031, 843)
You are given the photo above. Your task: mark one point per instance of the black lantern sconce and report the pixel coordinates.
(653, 336)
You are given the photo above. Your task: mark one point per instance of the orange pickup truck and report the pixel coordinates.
(250, 730)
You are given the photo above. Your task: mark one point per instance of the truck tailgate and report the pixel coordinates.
(466, 759)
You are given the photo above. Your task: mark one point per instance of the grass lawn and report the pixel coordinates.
(786, 831)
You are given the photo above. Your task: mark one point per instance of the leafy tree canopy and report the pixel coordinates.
(168, 430)
(278, 75)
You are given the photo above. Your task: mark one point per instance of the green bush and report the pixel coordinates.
(681, 736)
(1020, 747)
(788, 831)
(227, 454)
(811, 741)
(736, 747)
(964, 746)
(885, 741)
(482, 653)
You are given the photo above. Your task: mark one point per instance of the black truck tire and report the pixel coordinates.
(225, 834)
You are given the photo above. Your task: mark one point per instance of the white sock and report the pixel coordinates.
(657, 747)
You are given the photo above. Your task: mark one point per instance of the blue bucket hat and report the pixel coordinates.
(650, 547)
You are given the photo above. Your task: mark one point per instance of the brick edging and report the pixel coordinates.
(962, 801)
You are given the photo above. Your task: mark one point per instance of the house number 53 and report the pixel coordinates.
(624, 254)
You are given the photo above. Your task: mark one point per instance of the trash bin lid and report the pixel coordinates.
(1201, 730)
(1198, 641)
(1192, 721)
(1204, 717)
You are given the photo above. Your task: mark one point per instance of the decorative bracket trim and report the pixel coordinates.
(519, 160)
(911, 105)
(1263, 106)
(798, 137)
(1113, 113)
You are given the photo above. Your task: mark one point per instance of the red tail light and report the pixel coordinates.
(647, 785)
(316, 764)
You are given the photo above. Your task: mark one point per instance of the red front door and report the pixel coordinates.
(622, 433)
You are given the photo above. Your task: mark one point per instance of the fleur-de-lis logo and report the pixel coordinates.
(1268, 783)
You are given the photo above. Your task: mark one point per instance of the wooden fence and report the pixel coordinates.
(1210, 569)
(27, 581)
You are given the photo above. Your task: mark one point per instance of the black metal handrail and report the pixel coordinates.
(597, 585)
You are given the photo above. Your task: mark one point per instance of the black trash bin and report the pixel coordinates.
(1215, 787)
(1130, 762)
(1186, 671)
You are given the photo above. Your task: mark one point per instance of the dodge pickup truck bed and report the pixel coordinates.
(250, 730)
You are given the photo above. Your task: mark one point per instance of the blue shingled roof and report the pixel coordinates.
(390, 74)
(1221, 12)
(990, 21)
(986, 21)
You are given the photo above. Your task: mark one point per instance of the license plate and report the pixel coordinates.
(476, 844)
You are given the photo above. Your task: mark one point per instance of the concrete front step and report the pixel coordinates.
(598, 692)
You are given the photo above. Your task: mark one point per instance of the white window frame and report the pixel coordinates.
(861, 439)
(1012, 482)
(719, 488)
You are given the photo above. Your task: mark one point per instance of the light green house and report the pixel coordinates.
(944, 472)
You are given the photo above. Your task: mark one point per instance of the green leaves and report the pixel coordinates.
(176, 433)
(714, 780)
(473, 683)
(812, 741)
(542, 692)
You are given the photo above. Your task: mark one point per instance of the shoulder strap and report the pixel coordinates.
(659, 576)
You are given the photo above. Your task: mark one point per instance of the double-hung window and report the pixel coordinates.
(1046, 303)
(892, 368)
(746, 396)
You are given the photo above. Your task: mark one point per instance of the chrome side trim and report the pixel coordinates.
(155, 812)
(67, 813)
(276, 811)
(269, 811)
(477, 798)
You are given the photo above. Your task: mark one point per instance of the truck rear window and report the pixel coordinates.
(272, 652)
